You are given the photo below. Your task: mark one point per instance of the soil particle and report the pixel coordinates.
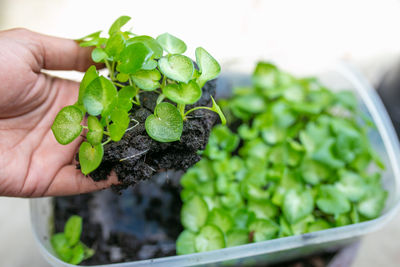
(138, 157)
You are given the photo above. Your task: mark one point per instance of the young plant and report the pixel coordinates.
(136, 64)
(68, 246)
(297, 164)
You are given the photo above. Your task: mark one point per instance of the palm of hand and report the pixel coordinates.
(32, 163)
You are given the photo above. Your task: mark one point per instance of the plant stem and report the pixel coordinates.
(85, 127)
(110, 70)
(181, 108)
(197, 108)
(160, 98)
(106, 142)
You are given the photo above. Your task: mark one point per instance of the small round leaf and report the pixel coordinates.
(98, 54)
(118, 23)
(183, 93)
(177, 67)
(133, 57)
(73, 230)
(95, 133)
(209, 67)
(89, 76)
(150, 42)
(99, 95)
(114, 46)
(166, 124)
(90, 157)
(171, 44)
(66, 126)
(147, 79)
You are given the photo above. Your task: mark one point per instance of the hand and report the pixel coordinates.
(32, 163)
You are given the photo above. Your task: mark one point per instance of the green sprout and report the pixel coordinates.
(136, 64)
(67, 245)
(297, 163)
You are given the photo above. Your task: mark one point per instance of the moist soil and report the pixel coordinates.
(138, 157)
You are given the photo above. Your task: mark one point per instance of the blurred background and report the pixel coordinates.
(305, 35)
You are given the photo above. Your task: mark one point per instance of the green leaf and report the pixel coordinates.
(237, 237)
(218, 110)
(95, 133)
(351, 185)
(90, 75)
(120, 122)
(60, 245)
(88, 252)
(183, 93)
(177, 67)
(125, 96)
(147, 79)
(297, 205)
(89, 36)
(208, 66)
(66, 126)
(263, 230)
(73, 230)
(251, 103)
(221, 219)
(98, 96)
(373, 203)
(133, 57)
(90, 157)
(313, 172)
(166, 124)
(194, 213)
(171, 44)
(185, 243)
(318, 225)
(97, 42)
(330, 200)
(118, 23)
(324, 154)
(150, 42)
(78, 254)
(265, 75)
(263, 209)
(98, 55)
(115, 45)
(209, 238)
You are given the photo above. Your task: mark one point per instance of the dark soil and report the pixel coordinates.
(138, 157)
(141, 223)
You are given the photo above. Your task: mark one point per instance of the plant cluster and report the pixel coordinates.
(136, 64)
(297, 164)
(68, 246)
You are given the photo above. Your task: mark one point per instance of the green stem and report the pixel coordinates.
(197, 108)
(118, 84)
(106, 142)
(113, 73)
(181, 108)
(110, 70)
(160, 98)
(106, 133)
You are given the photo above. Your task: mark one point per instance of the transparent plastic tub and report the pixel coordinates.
(383, 139)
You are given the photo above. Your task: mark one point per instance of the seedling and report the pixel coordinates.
(136, 64)
(68, 246)
(297, 164)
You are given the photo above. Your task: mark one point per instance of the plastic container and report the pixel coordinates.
(384, 141)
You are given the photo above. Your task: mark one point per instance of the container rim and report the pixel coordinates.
(391, 143)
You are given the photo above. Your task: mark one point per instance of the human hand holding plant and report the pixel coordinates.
(32, 162)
